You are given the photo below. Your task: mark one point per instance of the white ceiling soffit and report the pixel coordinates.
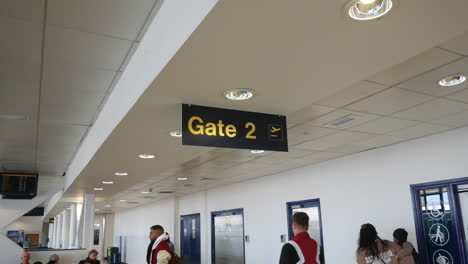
(274, 48)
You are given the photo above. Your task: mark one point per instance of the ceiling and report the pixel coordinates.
(305, 60)
(59, 61)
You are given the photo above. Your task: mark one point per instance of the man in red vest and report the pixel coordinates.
(161, 252)
(301, 248)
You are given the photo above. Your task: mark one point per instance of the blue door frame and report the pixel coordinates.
(451, 186)
(238, 211)
(194, 257)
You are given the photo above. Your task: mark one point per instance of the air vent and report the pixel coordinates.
(188, 185)
(166, 192)
(132, 202)
(342, 120)
(207, 179)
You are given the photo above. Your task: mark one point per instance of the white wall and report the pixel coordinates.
(30, 225)
(371, 186)
(134, 224)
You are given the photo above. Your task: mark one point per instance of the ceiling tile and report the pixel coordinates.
(20, 39)
(384, 125)
(84, 49)
(390, 101)
(428, 82)
(380, 141)
(348, 148)
(32, 11)
(18, 132)
(18, 153)
(17, 166)
(76, 114)
(356, 118)
(414, 66)
(420, 130)
(432, 110)
(303, 132)
(334, 140)
(459, 96)
(307, 113)
(117, 18)
(352, 94)
(456, 120)
(458, 44)
(318, 156)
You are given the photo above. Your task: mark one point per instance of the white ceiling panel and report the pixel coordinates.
(307, 113)
(32, 11)
(432, 110)
(420, 130)
(459, 96)
(348, 148)
(416, 65)
(352, 94)
(303, 132)
(384, 125)
(334, 140)
(18, 132)
(52, 168)
(12, 166)
(18, 153)
(71, 114)
(117, 18)
(456, 120)
(390, 101)
(459, 44)
(428, 82)
(84, 49)
(358, 118)
(20, 39)
(380, 141)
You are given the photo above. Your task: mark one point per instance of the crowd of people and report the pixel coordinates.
(300, 249)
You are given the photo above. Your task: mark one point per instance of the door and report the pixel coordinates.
(462, 193)
(227, 243)
(439, 209)
(190, 239)
(312, 209)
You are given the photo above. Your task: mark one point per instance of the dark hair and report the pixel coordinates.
(301, 219)
(401, 235)
(157, 228)
(38, 262)
(51, 262)
(93, 251)
(367, 237)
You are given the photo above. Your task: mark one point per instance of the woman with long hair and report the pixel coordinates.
(374, 250)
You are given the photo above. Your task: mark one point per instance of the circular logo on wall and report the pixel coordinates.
(439, 234)
(442, 257)
(435, 212)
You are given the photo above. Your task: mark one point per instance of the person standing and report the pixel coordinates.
(92, 258)
(301, 248)
(55, 257)
(373, 250)
(25, 258)
(159, 251)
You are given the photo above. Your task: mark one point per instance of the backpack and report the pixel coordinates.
(415, 256)
(177, 259)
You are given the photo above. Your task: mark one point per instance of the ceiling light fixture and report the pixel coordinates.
(368, 9)
(13, 117)
(98, 189)
(239, 94)
(107, 182)
(147, 156)
(97, 210)
(182, 178)
(120, 174)
(107, 205)
(257, 151)
(175, 133)
(123, 201)
(150, 190)
(452, 80)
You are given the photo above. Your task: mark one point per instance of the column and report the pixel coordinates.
(51, 233)
(66, 229)
(87, 220)
(59, 230)
(73, 220)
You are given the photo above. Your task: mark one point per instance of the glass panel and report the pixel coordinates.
(439, 227)
(229, 239)
(314, 222)
(463, 197)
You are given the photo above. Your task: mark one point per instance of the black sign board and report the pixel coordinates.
(224, 128)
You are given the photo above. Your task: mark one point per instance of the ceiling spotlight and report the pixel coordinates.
(147, 156)
(120, 174)
(107, 182)
(239, 94)
(452, 80)
(98, 189)
(107, 205)
(182, 178)
(123, 201)
(150, 190)
(97, 210)
(368, 9)
(257, 151)
(175, 133)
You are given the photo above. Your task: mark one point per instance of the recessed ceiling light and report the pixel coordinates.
(182, 178)
(239, 94)
(120, 174)
(107, 205)
(175, 133)
(368, 9)
(97, 210)
(257, 151)
(123, 200)
(147, 156)
(145, 192)
(452, 80)
(98, 189)
(13, 117)
(107, 182)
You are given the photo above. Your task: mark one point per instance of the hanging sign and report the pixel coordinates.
(224, 128)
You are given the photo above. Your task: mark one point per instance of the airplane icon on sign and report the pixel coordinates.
(274, 130)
